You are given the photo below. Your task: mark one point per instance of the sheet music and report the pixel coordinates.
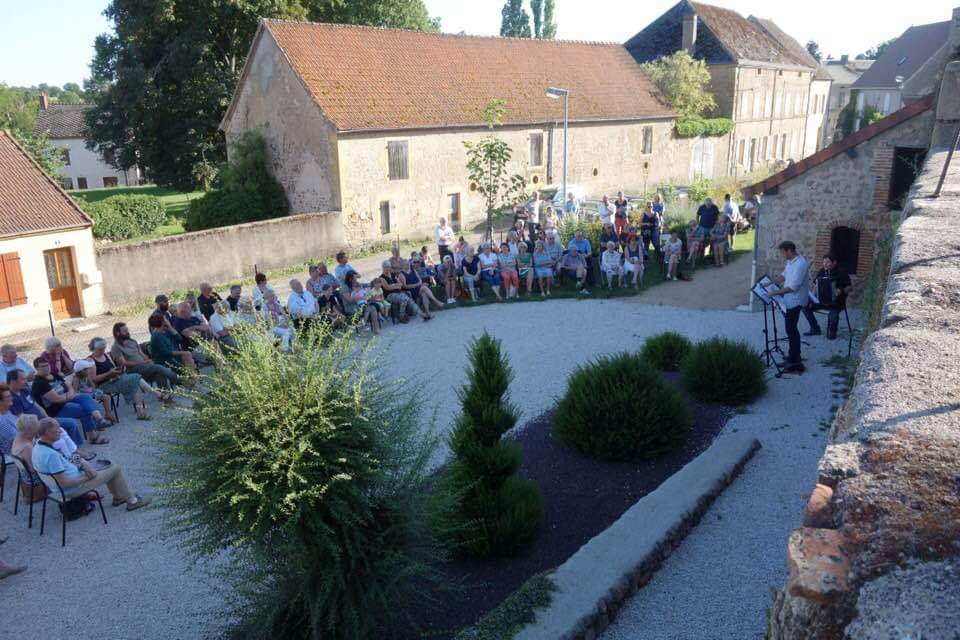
(763, 290)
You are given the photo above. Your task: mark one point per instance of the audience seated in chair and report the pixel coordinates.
(127, 354)
(611, 264)
(828, 290)
(60, 399)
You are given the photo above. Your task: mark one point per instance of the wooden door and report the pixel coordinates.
(64, 294)
(453, 212)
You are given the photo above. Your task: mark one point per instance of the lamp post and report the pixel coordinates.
(557, 93)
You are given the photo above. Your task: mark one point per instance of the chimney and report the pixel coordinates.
(844, 59)
(44, 102)
(689, 41)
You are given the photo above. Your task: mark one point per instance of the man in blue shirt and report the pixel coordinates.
(23, 403)
(583, 247)
(707, 215)
(76, 480)
(9, 361)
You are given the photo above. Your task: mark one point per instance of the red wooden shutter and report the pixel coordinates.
(12, 292)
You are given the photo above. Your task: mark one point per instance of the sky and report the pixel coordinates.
(51, 41)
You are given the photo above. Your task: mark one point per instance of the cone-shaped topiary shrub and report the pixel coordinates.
(725, 371)
(665, 350)
(619, 407)
(498, 510)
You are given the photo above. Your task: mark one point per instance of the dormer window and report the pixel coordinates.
(901, 61)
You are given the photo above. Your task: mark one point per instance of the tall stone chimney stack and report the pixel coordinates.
(44, 102)
(689, 42)
(844, 59)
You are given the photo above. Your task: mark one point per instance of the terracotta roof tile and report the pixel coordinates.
(366, 78)
(905, 56)
(802, 166)
(30, 200)
(62, 121)
(745, 39)
(794, 50)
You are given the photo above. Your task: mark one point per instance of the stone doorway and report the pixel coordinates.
(907, 163)
(845, 247)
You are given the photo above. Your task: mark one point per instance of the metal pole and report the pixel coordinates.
(756, 251)
(946, 165)
(50, 318)
(566, 102)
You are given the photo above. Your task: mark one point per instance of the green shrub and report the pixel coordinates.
(497, 510)
(311, 470)
(664, 351)
(696, 126)
(725, 371)
(590, 226)
(125, 216)
(619, 408)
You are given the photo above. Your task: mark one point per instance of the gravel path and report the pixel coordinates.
(717, 584)
(140, 588)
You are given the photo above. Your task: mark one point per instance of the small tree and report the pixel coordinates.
(514, 20)
(814, 50)
(683, 81)
(48, 155)
(487, 162)
(497, 510)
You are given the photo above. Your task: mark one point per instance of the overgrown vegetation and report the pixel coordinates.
(125, 216)
(876, 283)
(590, 226)
(642, 417)
(726, 371)
(497, 510)
(683, 82)
(48, 155)
(309, 471)
(248, 191)
(694, 127)
(514, 613)
(664, 351)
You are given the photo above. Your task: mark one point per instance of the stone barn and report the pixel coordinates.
(841, 199)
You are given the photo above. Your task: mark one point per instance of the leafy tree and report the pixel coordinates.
(536, 8)
(497, 509)
(514, 20)
(874, 53)
(162, 81)
(544, 27)
(487, 161)
(18, 108)
(814, 50)
(69, 97)
(683, 81)
(48, 155)
(73, 87)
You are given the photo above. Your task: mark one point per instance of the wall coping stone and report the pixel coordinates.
(594, 581)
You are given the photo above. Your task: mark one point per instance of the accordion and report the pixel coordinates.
(827, 291)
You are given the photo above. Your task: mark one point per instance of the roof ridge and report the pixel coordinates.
(338, 25)
(46, 175)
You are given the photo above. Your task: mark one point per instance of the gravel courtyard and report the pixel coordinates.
(126, 584)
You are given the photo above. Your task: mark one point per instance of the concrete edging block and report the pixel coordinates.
(596, 579)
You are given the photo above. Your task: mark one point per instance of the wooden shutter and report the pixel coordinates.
(12, 292)
(385, 217)
(647, 140)
(536, 149)
(397, 155)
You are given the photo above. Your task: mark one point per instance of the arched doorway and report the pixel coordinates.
(845, 247)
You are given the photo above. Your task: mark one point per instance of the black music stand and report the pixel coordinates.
(772, 308)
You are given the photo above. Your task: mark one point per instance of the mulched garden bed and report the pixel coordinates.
(582, 497)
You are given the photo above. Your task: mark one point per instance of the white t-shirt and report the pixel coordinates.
(732, 209)
(606, 212)
(672, 247)
(444, 236)
(489, 260)
(535, 211)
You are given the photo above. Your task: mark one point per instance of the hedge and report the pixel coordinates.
(125, 216)
(695, 127)
(723, 370)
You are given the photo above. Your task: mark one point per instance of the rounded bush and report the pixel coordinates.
(619, 408)
(725, 371)
(125, 216)
(664, 351)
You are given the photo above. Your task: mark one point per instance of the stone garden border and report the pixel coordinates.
(595, 581)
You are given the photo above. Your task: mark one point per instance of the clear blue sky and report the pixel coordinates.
(52, 40)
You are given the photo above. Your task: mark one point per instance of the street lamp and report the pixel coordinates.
(556, 94)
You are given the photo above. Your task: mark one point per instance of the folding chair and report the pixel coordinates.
(4, 461)
(850, 331)
(23, 471)
(57, 495)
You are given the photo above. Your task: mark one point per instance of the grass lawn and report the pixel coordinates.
(174, 202)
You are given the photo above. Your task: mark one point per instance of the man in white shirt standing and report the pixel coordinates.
(533, 215)
(732, 209)
(301, 305)
(445, 238)
(606, 211)
(793, 288)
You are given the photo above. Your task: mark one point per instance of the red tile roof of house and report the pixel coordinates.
(366, 78)
(796, 51)
(748, 40)
(30, 200)
(60, 121)
(802, 166)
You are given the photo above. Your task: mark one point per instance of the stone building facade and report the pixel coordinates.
(383, 145)
(840, 199)
(760, 77)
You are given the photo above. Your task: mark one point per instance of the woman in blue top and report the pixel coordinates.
(471, 271)
(542, 267)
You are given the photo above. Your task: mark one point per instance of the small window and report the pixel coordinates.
(763, 148)
(385, 217)
(759, 71)
(901, 61)
(397, 156)
(81, 183)
(109, 156)
(536, 149)
(647, 141)
(783, 145)
(109, 181)
(67, 183)
(741, 149)
(66, 157)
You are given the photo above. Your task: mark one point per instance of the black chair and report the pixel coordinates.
(57, 495)
(114, 404)
(846, 316)
(22, 471)
(3, 473)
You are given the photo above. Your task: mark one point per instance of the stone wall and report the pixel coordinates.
(848, 190)
(876, 556)
(134, 272)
